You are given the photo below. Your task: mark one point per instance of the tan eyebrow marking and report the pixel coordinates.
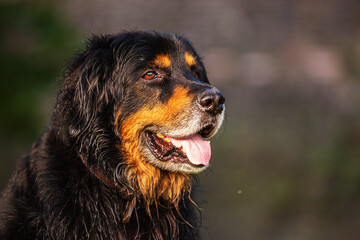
(189, 58)
(162, 61)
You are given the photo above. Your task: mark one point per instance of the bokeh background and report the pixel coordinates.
(286, 165)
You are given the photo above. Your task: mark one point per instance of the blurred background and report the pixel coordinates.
(286, 165)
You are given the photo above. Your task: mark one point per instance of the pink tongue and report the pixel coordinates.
(197, 150)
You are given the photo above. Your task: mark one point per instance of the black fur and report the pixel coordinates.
(72, 184)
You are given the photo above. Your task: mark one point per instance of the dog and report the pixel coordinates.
(125, 138)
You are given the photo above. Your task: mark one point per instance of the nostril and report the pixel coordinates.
(207, 101)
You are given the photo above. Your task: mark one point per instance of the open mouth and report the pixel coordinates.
(192, 150)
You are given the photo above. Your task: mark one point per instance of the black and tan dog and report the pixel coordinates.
(126, 135)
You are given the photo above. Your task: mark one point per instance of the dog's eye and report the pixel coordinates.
(150, 75)
(196, 75)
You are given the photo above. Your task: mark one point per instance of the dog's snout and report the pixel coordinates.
(211, 101)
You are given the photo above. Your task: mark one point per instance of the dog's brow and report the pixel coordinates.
(190, 60)
(162, 61)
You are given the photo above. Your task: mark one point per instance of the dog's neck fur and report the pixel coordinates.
(153, 184)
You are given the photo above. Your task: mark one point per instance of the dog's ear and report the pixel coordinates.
(84, 111)
(87, 97)
(92, 75)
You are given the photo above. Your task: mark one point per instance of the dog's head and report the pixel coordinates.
(138, 105)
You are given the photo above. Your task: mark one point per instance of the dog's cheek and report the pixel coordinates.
(160, 114)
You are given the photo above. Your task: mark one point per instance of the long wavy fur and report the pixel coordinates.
(74, 183)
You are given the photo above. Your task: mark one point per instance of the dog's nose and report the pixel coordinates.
(211, 101)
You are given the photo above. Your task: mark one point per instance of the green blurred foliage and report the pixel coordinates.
(35, 41)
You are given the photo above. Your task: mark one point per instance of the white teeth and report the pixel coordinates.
(183, 149)
(160, 135)
(163, 137)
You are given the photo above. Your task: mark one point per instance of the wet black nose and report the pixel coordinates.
(211, 101)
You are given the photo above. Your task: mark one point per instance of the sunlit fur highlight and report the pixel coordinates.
(162, 61)
(151, 182)
(190, 60)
